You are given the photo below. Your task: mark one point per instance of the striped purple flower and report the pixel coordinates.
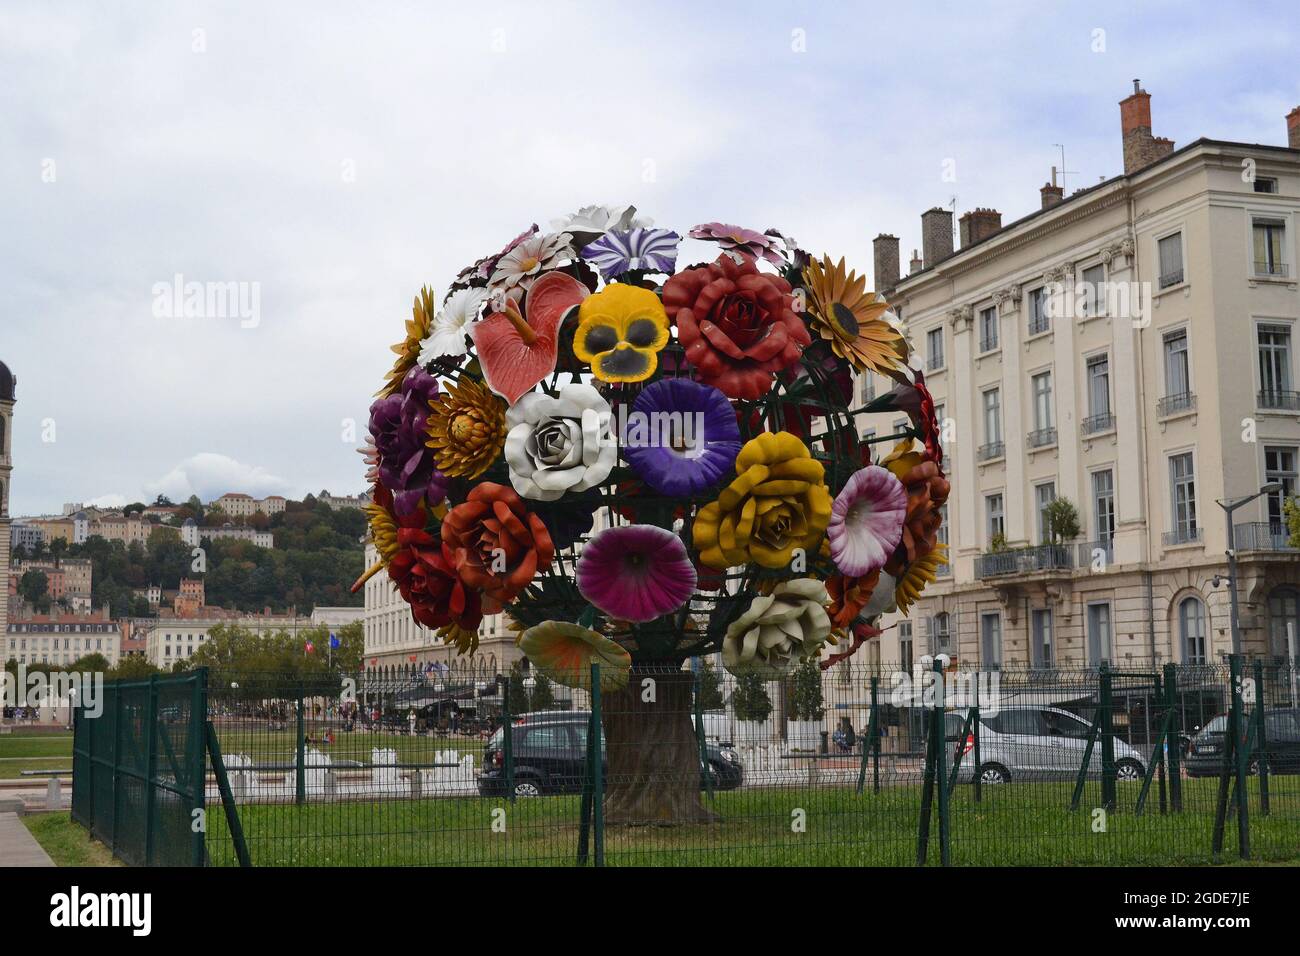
(649, 250)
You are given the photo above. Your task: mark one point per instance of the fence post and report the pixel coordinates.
(1261, 740)
(300, 753)
(1164, 746)
(1239, 732)
(940, 748)
(199, 776)
(150, 760)
(598, 769)
(700, 738)
(875, 736)
(1175, 739)
(975, 754)
(507, 744)
(1105, 692)
(227, 797)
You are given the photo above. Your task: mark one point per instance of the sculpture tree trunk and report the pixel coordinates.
(654, 775)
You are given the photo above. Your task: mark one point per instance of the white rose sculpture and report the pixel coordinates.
(779, 631)
(561, 444)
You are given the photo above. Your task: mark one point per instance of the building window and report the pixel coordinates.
(1098, 633)
(1092, 301)
(1099, 417)
(1191, 630)
(992, 447)
(996, 519)
(1182, 492)
(1042, 630)
(991, 640)
(1103, 506)
(1044, 495)
(1275, 367)
(1178, 375)
(1038, 321)
(940, 633)
(1284, 623)
(868, 386)
(1269, 241)
(934, 348)
(1042, 389)
(1280, 467)
(905, 645)
(988, 329)
(1264, 184)
(1170, 250)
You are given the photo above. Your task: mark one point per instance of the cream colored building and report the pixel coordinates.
(62, 638)
(1131, 348)
(172, 639)
(239, 505)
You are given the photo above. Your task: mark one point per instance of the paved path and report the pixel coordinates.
(17, 845)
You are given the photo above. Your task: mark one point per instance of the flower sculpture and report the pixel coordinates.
(558, 444)
(779, 630)
(643, 460)
(737, 324)
(777, 503)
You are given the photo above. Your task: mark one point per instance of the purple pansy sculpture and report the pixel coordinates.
(681, 436)
(747, 242)
(636, 572)
(397, 427)
(867, 521)
(648, 250)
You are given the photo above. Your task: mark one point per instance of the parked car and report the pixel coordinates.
(1281, 739)
(549, 750)
(1034, 743)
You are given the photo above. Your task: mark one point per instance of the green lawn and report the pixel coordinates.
(34, 751)
(66, 842)
(1019, 825)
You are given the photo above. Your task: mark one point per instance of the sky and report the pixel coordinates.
(330, 159)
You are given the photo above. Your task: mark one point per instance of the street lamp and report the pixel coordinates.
(1229, 507)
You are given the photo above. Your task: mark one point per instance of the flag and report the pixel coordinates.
(310, 647)
(335, 642)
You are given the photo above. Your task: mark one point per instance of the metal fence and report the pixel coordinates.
(857, 765)
(138, 770)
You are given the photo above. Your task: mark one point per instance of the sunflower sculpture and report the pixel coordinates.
(641, 463)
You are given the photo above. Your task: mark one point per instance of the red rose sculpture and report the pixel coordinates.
(495, 544)
(736, 324)
(428, 582)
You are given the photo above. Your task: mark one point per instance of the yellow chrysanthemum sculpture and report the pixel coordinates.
(418, 327)
(852, 319)
(778, 503)
(620, 332)
(467, 429)
(920, 573)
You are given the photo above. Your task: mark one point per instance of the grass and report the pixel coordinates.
(66, 842)
(1015, 825)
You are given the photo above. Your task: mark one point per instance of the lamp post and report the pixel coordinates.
(1229, 507)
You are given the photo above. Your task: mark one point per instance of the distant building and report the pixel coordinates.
(57, 638)
(27, 536)
(239, 505)
(343, 501)
(192, 533)
(169, 639)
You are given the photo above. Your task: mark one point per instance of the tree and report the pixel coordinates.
(517, 689)
(710, 687)
(34, 588)
(1062, 519)
(750, 699)
(806, 700)
(543, 697)
(1291, 513)
(134, 667)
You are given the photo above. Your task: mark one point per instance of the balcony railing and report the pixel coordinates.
(1086, 552)
(1279, 398)
(1172, 404)
(1039, 324)
(1180, 536)
(1095, 424)
(991, 450)
(1262, 536)
(988, 344)
(1044, 557)
(1271, 269)
(1171, 278)
(1041, 437)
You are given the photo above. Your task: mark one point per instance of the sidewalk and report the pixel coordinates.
(17, 845)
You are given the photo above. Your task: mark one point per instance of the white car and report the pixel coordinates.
(1033, 743)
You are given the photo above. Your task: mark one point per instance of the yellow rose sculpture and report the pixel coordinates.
(778, 502)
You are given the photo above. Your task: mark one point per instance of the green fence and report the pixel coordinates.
(138, 770)
(885, 765)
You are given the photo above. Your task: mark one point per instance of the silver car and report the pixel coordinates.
(1033, 743)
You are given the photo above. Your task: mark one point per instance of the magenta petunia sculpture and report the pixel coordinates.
(636, 572)
(867, 521)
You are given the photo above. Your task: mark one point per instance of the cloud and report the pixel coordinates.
(210, 475)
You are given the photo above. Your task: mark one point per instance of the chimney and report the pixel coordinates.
(978, 224)
(1051, 192)
(916, 263)
(936, 235)
(885, 248)
(1293, 128)
(1141, 149)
